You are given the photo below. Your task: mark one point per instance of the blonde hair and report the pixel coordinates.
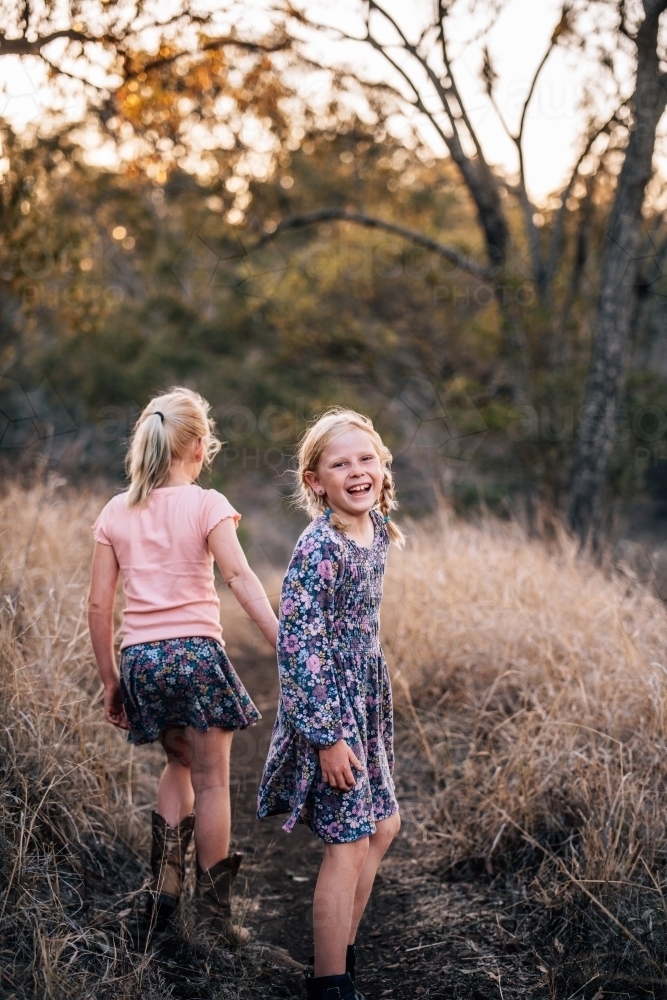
(315, 439)
(162, 433)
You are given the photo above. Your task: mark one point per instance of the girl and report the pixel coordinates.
(175, 682)
(331, 753)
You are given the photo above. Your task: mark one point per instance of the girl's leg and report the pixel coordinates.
(333, 904)
(209, 770)
(385, 831)
(175, 794)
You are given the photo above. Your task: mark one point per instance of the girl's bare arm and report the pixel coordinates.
(241, 580)
(103, 582)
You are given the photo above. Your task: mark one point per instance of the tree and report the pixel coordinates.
(618, 293)
(159, 77)
(163, 79)
(105, 44)
(426, 86)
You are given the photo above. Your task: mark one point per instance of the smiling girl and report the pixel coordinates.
(331, 753)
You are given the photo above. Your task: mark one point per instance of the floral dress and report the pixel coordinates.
(334, 685)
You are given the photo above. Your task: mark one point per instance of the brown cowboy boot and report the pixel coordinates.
(170, 844)
(168, 849)
(213, 901)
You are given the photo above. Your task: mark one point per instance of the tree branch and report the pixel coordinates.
(454, 140)
(521, 193)
(454, 89)
(476, 173)
(24, 47)
(370, 222)
(58, 71)
(501, 118)
(215, 43)
(539, 269)
(559, 225)
(654, 8)
(531, 90)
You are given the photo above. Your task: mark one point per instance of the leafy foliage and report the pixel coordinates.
(118, 283)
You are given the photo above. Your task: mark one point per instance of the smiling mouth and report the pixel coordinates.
(360, 490)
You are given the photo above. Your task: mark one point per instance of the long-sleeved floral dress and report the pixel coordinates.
(334, 684)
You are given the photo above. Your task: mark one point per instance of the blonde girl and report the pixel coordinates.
(175, 682)
(331, 753)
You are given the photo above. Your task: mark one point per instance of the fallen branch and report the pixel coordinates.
(371, 222)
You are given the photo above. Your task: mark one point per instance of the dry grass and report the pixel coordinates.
(74, 798)
(70, 816)
(539, 683)
(533, 686)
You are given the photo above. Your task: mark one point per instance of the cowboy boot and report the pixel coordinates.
(168, 850)
(213, 901)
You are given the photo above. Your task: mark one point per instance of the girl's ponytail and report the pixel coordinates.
(149, 457)
(165, 428)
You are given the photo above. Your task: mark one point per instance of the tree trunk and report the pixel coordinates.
(605, 386)
(485, 193)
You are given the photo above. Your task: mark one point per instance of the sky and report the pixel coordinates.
(517, 42)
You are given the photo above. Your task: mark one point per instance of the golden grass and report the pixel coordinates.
(68, 792)
(540, 683)
(530, 682)
(51, 696)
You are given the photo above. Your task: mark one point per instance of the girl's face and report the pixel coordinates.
(349, 473)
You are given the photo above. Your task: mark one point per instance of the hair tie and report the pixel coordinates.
(386, 518)
(328, 512)
(156, 413)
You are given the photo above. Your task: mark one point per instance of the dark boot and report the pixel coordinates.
(170, 844)
(168, 849)
(351, 960)
(213, 901)
(331, 988)
(350, 965)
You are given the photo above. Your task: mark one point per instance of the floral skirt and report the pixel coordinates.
(182, 682)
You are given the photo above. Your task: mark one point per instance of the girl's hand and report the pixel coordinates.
(336, 763)
(113, 707)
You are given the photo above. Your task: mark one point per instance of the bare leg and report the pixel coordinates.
(333, 904)
(209, 770)
(175, 794)
(385, 831)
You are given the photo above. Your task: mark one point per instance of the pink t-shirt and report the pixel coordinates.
(167, 568)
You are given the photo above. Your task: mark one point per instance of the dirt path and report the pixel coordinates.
(424, 935)
(421, 936)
